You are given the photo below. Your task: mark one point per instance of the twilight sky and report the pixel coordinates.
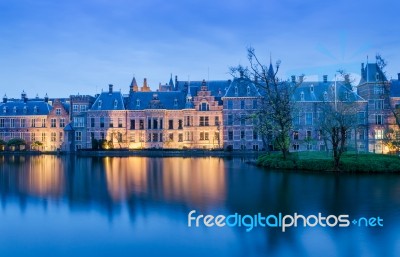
(70, 47)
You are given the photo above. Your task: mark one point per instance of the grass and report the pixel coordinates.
(321, 161)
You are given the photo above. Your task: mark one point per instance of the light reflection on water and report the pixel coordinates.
(68, 206)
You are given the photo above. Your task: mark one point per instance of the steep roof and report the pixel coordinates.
(109, 101)
(395, 88)
(323, 91)
(170, 100)
(217, 87)
(30, 107)
(372, 73)
(242, 87)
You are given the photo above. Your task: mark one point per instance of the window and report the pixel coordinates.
(216, 136)
(60, 137)
(296, 147)
(53, 137)
(53, 123)
(248, 90)
(230, 104)
(99, 104)
(255, 104)
(170, 124)
(242, 119)
(309, 146)
(23, 123)
(378, 119)
(296, 135)
(201, 136)
(242, 134)
(138, 103)
(236, 90)
(204, 121)
(216, 121)
(302, 96)
(141, 124)
(180, 123)
(378, 89)
(379, 104)
(296, 119)
(188, 121)
(58, 111)
(75, 108)
(361, 134)
(171, 137)
(79, 122)
(102, 135)
(255, 135)
(33, 123)
(206, 136)
(15, 109)
(78, 135)
(12, 123)
(308, 134)
(92, 122)
(204, 107)
(242, 104)
(155, 137)
(111, 124)
(43, 137)
(83, 108)
(115, 104)
(25, 110)
(161, 123)
(230, 119)
(132, 124)
(175, 102)
(309, 118)
(33, 137)
(119, 122)
(2, 123)
(230, 135)
(43, 123)
(379, 134)
(180, 137)
(155, 123)
(148, 123)
(361, 118)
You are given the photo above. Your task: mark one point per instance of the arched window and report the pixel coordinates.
(204, 107)
(138, 103)
(99, 104)
(115, 103)
(236, 90)
(325, 96)
(175, 102)
(302, 96)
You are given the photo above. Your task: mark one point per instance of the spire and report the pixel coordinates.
(133, 87)
(271, 72)
(171, 83)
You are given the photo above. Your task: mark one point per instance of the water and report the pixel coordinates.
(64, 206)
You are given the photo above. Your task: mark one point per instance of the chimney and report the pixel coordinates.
(23, 96)
(325, 77)
(46, 98)
(110, 88)
(301, 78)
(5, 99)
(241, 74)
(398, 76)
(145, 82)
(293, 79)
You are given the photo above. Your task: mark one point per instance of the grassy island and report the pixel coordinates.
(322, 161)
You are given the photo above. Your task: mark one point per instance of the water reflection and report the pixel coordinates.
(151, 197)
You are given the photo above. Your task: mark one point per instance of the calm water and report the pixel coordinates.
(64, 206)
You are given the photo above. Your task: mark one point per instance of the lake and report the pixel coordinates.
(138, 206)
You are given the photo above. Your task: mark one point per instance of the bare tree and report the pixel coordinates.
(338, 116)
(275, 112)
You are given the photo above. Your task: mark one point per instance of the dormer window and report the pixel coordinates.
(25, 109)
(115, 103)
(312, 88)
(248, 90)
(138, 103)
(302, 96)
(4, 109)
(377, 77)
(236, 90)
(99, 104)
(35, 109)
(204, 107)
(176, 102)
(346, 95)
(15, 109)
(325, 96)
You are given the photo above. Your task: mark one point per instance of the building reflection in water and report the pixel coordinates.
(184, 180)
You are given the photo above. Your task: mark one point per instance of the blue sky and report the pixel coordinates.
(70, 47)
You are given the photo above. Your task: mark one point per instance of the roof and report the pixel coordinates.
(242, 87)
(19, 108)
(372, 73)
(109, 101)
(322, 91)
(171, 100)
(217, 87)
(395, 88)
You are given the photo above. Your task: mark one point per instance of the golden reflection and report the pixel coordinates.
(44, 177)
(192, 180)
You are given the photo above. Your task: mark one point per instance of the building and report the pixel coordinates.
(39, 122)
